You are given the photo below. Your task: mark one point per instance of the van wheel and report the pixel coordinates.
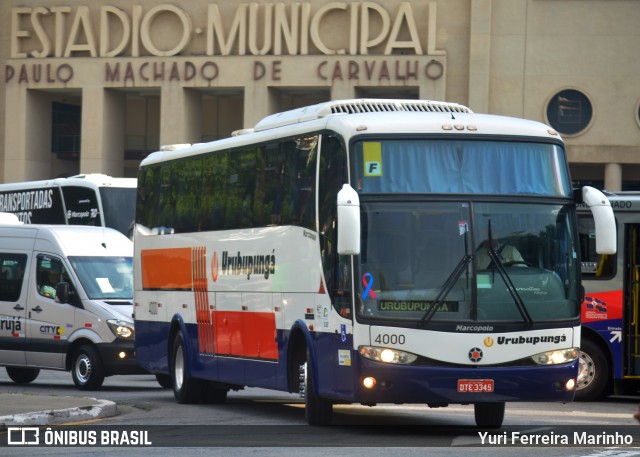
(186, 389)
(23, 375)
(87, 370)
(318, 411)
(164, 380)
(489, 415)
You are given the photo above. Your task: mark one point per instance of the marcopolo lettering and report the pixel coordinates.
(533, 340)
(474, 328)
(240, 265)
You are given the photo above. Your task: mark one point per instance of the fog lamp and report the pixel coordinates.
(570, 385)
(369, 382)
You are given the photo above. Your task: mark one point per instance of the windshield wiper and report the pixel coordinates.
(496, 262)
(446, 288)
(495, 259)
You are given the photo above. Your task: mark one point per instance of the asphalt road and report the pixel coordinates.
(259, 422)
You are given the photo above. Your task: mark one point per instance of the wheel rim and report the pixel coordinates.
(178, 368)
(586, 371)
(83, 369)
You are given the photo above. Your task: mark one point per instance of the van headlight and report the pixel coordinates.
(556, 357)
(387, 355)
(121, 329)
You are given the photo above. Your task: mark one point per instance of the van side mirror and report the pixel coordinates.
(348, 221)
(63, 293)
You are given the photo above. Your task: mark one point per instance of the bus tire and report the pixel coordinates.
(22, 375)
(489, 415)
(87, 370)
(164, 380)
(215, 394)
(318, 411)
(593, 372)
(186, 389)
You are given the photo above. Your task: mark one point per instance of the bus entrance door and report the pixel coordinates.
(632, 311)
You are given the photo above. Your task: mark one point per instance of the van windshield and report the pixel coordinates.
(105, 278)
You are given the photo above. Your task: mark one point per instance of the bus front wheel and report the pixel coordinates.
(318, 411)
(164, 380)
(186, 389)
(489, 415)
(593, 370)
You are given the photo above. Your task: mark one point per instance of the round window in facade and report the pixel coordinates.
(569, 112)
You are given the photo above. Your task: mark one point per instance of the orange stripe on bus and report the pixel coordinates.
(166, 268)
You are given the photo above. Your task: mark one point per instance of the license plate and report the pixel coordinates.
(475, 385)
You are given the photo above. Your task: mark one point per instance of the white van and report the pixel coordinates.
(66, 302)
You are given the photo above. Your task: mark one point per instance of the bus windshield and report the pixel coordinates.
(459, 167)
(119, 206)
(418, 255)
(105, 278)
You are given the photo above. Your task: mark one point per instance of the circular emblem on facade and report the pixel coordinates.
(488, 342)
(475, 354)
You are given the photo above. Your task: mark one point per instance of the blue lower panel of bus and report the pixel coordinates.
(428, 384)
(339, 378)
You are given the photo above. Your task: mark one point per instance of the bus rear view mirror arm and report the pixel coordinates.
(605, 222)
(348, 221)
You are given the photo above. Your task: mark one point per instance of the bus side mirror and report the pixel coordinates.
(348, 221)
(604, 220)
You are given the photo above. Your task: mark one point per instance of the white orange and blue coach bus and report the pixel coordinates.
(336, 251)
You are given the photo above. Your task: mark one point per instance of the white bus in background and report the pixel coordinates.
(334, 251)
(90, 199)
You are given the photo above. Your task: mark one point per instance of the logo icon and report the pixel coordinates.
(475, 354)
(21, 436)
(488, 342)
(214, 267)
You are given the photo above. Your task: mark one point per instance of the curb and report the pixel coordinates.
(100, 409)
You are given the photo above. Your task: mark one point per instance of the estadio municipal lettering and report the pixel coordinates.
(294, 29)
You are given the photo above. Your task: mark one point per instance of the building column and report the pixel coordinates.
(613, 177)
(102, 132)
(27, 151)
(342, 91)
(259, 102)
(480, 55)
(180, 115)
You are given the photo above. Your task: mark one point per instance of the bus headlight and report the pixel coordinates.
(387, 355)
(556, 357)
(121, 329)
